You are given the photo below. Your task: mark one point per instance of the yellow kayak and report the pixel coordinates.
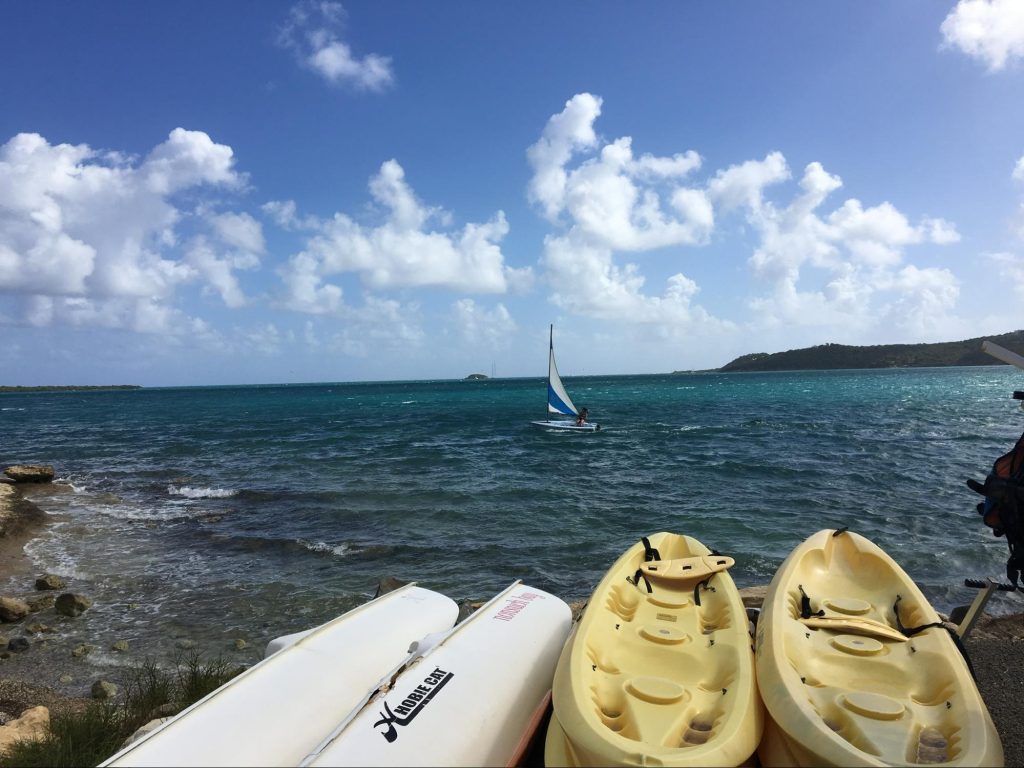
(853, 674)
(659, 670)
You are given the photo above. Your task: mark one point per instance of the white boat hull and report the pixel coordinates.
(275, 713)
(568, 426)
(471, 700)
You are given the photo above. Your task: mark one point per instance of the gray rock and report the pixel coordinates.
(70, 604)
(388, 584)
(13, 609)
(103, 689)
(120, 645)
(185, 644)
(40, 601)
(49, 581)
(37, 628)
(152, 725)
(241, 645)
(164, 710)
(82, 650)
(17, 644)
(30, 473)
(65, 679)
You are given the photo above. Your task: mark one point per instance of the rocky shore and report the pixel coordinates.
(31, 649)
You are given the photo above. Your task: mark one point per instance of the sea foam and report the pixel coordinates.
(200, 493)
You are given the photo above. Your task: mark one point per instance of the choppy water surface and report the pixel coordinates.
(213, 513)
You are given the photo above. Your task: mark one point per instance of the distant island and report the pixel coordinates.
(837, 356)
(475, 377)
(70, 388)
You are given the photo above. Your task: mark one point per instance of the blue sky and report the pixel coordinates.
(215, 193)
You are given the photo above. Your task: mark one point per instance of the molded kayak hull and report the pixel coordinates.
(472, 699)
(849, 687)
(660, 677)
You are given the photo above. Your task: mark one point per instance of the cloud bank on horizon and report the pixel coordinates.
(179, 245)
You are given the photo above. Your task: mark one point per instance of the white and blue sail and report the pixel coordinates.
(558, 399)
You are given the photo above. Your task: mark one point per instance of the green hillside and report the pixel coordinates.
(833, 356)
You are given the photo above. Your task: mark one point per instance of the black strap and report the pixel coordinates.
(911, 631)
(650, 553)
(696, 590)
(641, 575)
(805, 605)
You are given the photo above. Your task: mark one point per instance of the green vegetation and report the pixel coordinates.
(71, 388)
(91, 734)
(475, 377)
(835, 356)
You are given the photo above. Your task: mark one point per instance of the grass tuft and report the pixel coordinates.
(89, 736)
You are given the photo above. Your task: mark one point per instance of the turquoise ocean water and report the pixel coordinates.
(212, 513)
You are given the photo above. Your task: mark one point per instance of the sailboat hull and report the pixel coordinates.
(568, 426)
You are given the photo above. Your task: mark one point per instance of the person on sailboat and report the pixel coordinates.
(581, 417)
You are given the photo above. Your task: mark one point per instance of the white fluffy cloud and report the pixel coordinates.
(613, 201)
(480, 326)
(1018, 170)
(87, 235)
(585, 280)
(989, 30)
(856, 253)
(401, 252)
(313, 33)
(841, 268)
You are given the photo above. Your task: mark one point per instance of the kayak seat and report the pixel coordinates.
(686, 568)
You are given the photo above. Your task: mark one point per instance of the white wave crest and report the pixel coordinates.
(323, 547)
(200, 493)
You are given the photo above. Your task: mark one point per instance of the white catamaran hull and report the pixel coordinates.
(570, 426)
(470, 700)
(275, 713)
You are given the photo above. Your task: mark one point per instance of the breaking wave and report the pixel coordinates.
(200, 493)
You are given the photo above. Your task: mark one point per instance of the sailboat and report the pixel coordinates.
(559, 400)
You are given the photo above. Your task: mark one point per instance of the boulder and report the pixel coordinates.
(40, 601)
(103, 690)
(70, 604)
(49, 581)
(30, 473)
(33, 725)
(36, 628)
(152, 725)
(240, 644)
(17, 644)
(753, 597)
(82, 650)
(13, 609)
(120, 645)
(388, 584)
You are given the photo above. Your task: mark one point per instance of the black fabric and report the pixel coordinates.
(650, 553)
(805, 605)
(1003, 507)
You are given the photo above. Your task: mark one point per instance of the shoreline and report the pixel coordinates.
(994, 645)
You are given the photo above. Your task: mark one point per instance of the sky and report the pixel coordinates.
(198, 193)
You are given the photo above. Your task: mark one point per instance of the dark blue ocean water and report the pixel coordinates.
(213, 513)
